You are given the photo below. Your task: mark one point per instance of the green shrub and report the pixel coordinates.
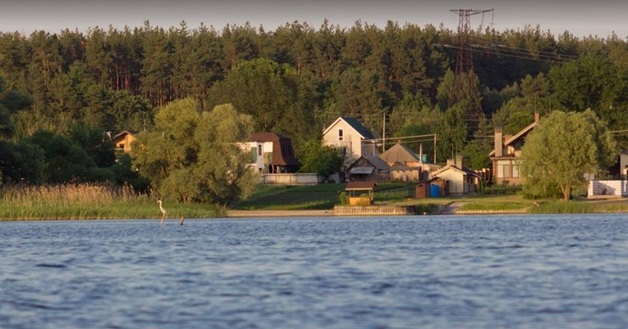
(344, 198)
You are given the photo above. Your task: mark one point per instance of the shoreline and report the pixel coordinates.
(279, 213)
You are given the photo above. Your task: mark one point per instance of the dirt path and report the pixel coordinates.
(450, 209)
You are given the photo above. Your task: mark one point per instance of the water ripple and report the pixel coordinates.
(398, 272)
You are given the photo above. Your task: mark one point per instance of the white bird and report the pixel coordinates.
(163, 212)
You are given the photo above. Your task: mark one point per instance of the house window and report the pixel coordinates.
(503, 170)
(259, 150)
(340, 134)
(515, 171)
(253, 154)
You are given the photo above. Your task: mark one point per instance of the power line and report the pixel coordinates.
(490, 51)
(497, 44)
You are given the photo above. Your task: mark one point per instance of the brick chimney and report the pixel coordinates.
(458, 161)
(499, 142)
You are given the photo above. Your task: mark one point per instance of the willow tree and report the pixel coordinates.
(192, 156)
(562, 149)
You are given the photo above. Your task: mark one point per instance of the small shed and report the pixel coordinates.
(369, 168)
(356, 191)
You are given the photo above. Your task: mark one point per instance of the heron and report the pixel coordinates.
(163, 212)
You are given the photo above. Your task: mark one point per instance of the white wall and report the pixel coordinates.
(607, 187)
(456, 181)
(292, 179)
(267, 147)
(351, 140)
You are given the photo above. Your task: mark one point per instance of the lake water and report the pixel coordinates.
(381, 272)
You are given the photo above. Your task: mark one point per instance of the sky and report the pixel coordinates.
(581, 18)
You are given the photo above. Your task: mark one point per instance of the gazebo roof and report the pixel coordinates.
(360, 186)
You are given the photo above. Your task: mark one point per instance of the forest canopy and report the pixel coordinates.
(297, 79)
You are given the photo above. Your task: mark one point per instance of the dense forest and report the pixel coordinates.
(398, 80)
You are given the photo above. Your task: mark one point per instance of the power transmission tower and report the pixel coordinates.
(464, 62)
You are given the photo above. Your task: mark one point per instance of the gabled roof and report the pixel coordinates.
(373, 160)
(262, 137)
(361, 186)
(399, 153)
(522, 133)
(403, 166)
(355, 124)
(124, 132)
(283, 154)
(376, 161)
(463, 170)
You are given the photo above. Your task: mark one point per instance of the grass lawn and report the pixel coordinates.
(326, 196)
(312, 197)
(282, 197)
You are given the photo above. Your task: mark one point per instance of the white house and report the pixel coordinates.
(351, 137)
(270, 153)
(460, 180)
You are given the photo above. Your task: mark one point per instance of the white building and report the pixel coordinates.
(351, 137)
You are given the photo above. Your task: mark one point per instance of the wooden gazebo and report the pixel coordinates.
(356, 191)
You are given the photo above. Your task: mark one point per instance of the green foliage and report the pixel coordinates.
(65, 161)
(126, 175)
(343, 198)
(532, 97)
(193, 156)
(452, 132)
(11, 101)
(358, 92)
(364, 200)
(562, 207)
(128, 112)
(273, 94)
(476, 152)
(298, 79)
(322, 196)
(561, 150)
(591, 81)
(95, 143)
(21, 163)
(494, 206)
(319, 158)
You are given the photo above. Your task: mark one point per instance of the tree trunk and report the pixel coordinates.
(566, 192)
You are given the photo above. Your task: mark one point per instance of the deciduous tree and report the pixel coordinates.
(193, 156)
(321, 159)
(562, 149)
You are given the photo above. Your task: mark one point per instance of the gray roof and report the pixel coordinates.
(359, 127)
(399, 153)
(377, 162)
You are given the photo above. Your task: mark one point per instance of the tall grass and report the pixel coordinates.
(562, 207)
(88, 201)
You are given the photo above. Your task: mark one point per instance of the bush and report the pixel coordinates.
(365, 200)
(344, 198)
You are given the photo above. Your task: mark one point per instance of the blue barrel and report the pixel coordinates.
(424, 158)
(434, 191)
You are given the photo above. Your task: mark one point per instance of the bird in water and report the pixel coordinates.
(163, 212)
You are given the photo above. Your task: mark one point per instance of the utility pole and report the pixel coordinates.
(464, 62)
(384, 134)
(434, 148)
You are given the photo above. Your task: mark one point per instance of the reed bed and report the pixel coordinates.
(90, 201)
